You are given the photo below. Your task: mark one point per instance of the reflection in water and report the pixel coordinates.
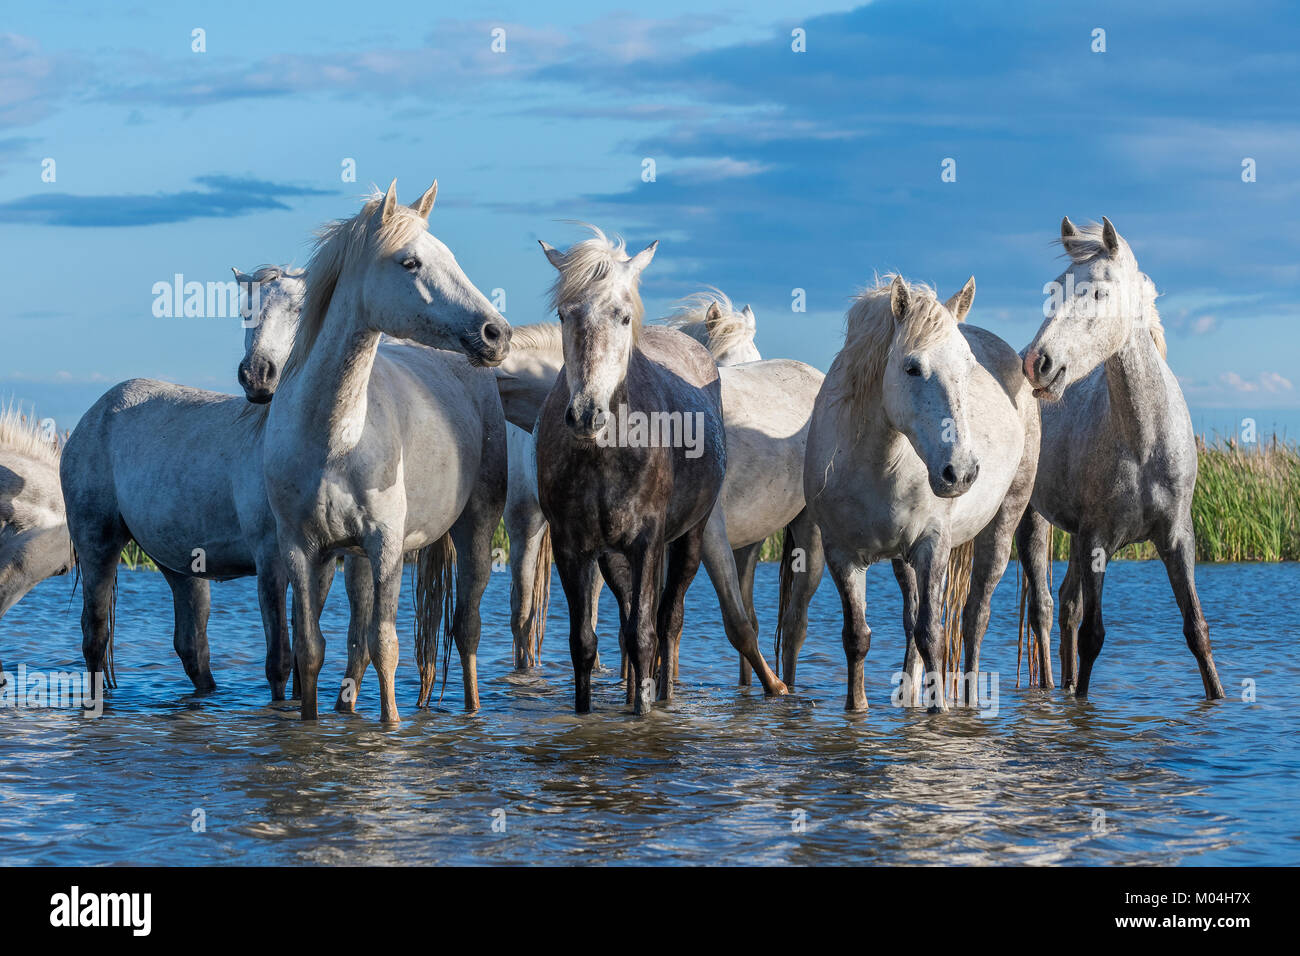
(1144, 772)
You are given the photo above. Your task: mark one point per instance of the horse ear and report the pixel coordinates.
(240, 277)
(959, 305)
(555, 256)
(713, 316)
(900, 297)
(1067, 228)
(390, 202)
(642, 258)
(1109, 237)
(750, 321)
(424, 204)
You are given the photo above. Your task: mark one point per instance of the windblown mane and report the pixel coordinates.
(338, 244)
(870, 335)
(21, 434)
(1086, 246)
(539, 337)
(690, 319)
(588, 261)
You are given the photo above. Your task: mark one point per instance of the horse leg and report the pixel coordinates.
(1033, 541)
(618, 576)
(851, 581)
(597, 583)
(1092, 557)
(472, 535)
(1178, 551)
(271, 584)
(384, 549)
(807, 538)
(683, 564)
(721, 565)
(646, 565)
(913, 670)
(992, 552)
(526, 529)
(358, 582)
(191, 604)
(1071, 600)
(98, 554)
(930, 561)
(305, 573)
(746, 559)
(576, 575)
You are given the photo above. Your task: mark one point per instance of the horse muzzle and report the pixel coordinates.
(955, 479)
(586, 419)
(490, 345)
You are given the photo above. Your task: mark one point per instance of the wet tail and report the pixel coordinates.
(955, 591)
(435, 604)
(541, 598)
(785, 594)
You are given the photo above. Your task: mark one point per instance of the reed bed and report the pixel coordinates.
(1246, 508)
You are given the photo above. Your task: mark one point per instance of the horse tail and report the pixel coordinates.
(435, 604)
(785, 592)
(955, 591)
(541, 595)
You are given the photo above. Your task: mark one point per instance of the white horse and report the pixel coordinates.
(379, 451)
(178, 470)
(34, 541)
(924, 437)
(1119, 454)
(766, 408)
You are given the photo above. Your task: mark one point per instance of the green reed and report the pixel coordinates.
(1246, 508)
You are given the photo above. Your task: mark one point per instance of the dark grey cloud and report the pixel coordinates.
(218, 197)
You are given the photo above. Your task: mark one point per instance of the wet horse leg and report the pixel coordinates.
(850, 580)
(746, 559)
(271, 584)
(930, 561)
(645, 562)
(1178, 551)
(913, 670)
(191, 604)
(614, 569)
(1092, 556)
(576, 574)
(1070, 596)
(683, 564)
(721, 565)
(807, 564)
(1033, 544)
(358, 580)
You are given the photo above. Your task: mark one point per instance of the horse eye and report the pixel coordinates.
(627, 320)
(411, 263)
(913, 370)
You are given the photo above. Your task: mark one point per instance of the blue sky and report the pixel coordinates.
(775, 170)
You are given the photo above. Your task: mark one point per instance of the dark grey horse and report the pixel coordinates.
(624, 498)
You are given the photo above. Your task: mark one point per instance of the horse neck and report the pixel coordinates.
(336, 374)
(1135, 383)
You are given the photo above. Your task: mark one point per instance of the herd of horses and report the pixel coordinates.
(390, 413)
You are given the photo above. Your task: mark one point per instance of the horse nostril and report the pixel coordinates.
(1044, 364)
(949, 475)
(570, 419)
(973, 474)
(492, 333)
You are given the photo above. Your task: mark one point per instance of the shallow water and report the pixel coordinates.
(1144, 772)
